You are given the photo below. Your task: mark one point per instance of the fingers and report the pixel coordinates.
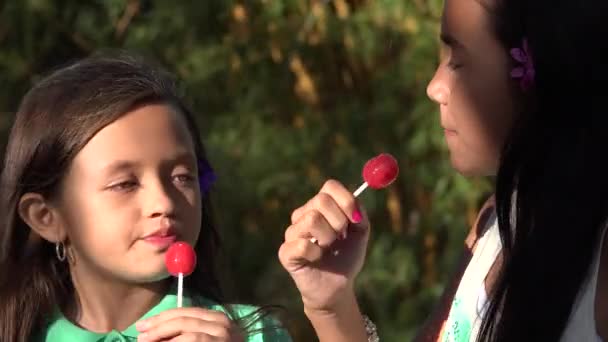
(299, 253)
(203, 314)
(186, 326)
(337, 206)
(332, 196)
(313, 224)
(318, 224)
(183, 321)
(344, 198)
(196, 337)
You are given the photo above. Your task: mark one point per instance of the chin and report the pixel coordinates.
(158, 277)
(148, 276)
(466, 169)
(471, 170)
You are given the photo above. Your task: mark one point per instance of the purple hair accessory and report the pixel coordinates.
(206, 176)
(525, 70)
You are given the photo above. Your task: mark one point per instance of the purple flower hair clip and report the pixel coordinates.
(206, 176)
(525, 70)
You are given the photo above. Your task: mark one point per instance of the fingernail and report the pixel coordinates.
(344, 234)
(142, 325)
(357, 217)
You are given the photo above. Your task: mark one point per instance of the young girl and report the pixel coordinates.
(521, 89)
(104, 169)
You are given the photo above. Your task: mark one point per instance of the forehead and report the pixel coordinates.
(151, 132)
(468, 21)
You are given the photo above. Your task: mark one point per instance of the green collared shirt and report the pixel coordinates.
(61, 329)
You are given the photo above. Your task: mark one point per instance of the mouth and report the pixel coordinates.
(161, 238)
(449, 132)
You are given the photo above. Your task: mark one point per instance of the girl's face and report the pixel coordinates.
(473, 88)
(130, 192)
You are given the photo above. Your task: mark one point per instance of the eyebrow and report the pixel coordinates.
(120, 165)
(126, 165)
(185, 158)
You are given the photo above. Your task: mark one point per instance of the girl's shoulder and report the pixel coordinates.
(482, 222)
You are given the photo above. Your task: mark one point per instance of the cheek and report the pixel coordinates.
(483, 113)
(493, 123)
(191, 210)
(98, 224)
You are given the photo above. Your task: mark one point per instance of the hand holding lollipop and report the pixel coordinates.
(378, 173)
(193, 323)
(325, 280)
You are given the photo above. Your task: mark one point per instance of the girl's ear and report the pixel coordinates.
(41, 217)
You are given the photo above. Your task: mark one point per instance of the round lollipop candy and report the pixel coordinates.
(180, 260)
(379, 172)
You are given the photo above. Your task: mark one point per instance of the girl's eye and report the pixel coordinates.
(125, 186)
(183, 178)
(454, 65)
(447, 55)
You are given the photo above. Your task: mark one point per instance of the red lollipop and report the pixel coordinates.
(180, 260)
(379, 172)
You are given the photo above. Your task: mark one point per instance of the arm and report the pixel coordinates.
(345, 324)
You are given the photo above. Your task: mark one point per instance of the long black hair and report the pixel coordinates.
(552, 182)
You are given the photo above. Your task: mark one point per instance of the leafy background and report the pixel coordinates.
(288, 93)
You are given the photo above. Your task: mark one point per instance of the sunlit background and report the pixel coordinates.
(288, 94)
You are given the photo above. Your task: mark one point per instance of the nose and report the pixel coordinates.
(437, 89)
(160, 200)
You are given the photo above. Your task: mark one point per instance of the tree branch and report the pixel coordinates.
(133, 8)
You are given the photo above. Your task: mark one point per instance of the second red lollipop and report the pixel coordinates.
(380, 171)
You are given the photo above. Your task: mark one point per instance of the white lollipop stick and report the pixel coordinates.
(360, 189)
(356, 194)
(180, 289)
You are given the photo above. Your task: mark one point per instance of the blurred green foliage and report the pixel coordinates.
(289, 93)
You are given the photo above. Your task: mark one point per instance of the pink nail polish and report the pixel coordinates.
(357, 217)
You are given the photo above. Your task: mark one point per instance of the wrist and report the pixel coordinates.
(344, 304)
(343, 321)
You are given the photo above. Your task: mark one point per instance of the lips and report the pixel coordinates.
(449, 131)
(157, 239)
(445, 122)
(162, 237)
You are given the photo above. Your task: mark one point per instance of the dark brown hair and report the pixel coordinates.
(56, 118)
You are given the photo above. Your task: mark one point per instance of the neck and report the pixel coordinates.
(105, 304)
